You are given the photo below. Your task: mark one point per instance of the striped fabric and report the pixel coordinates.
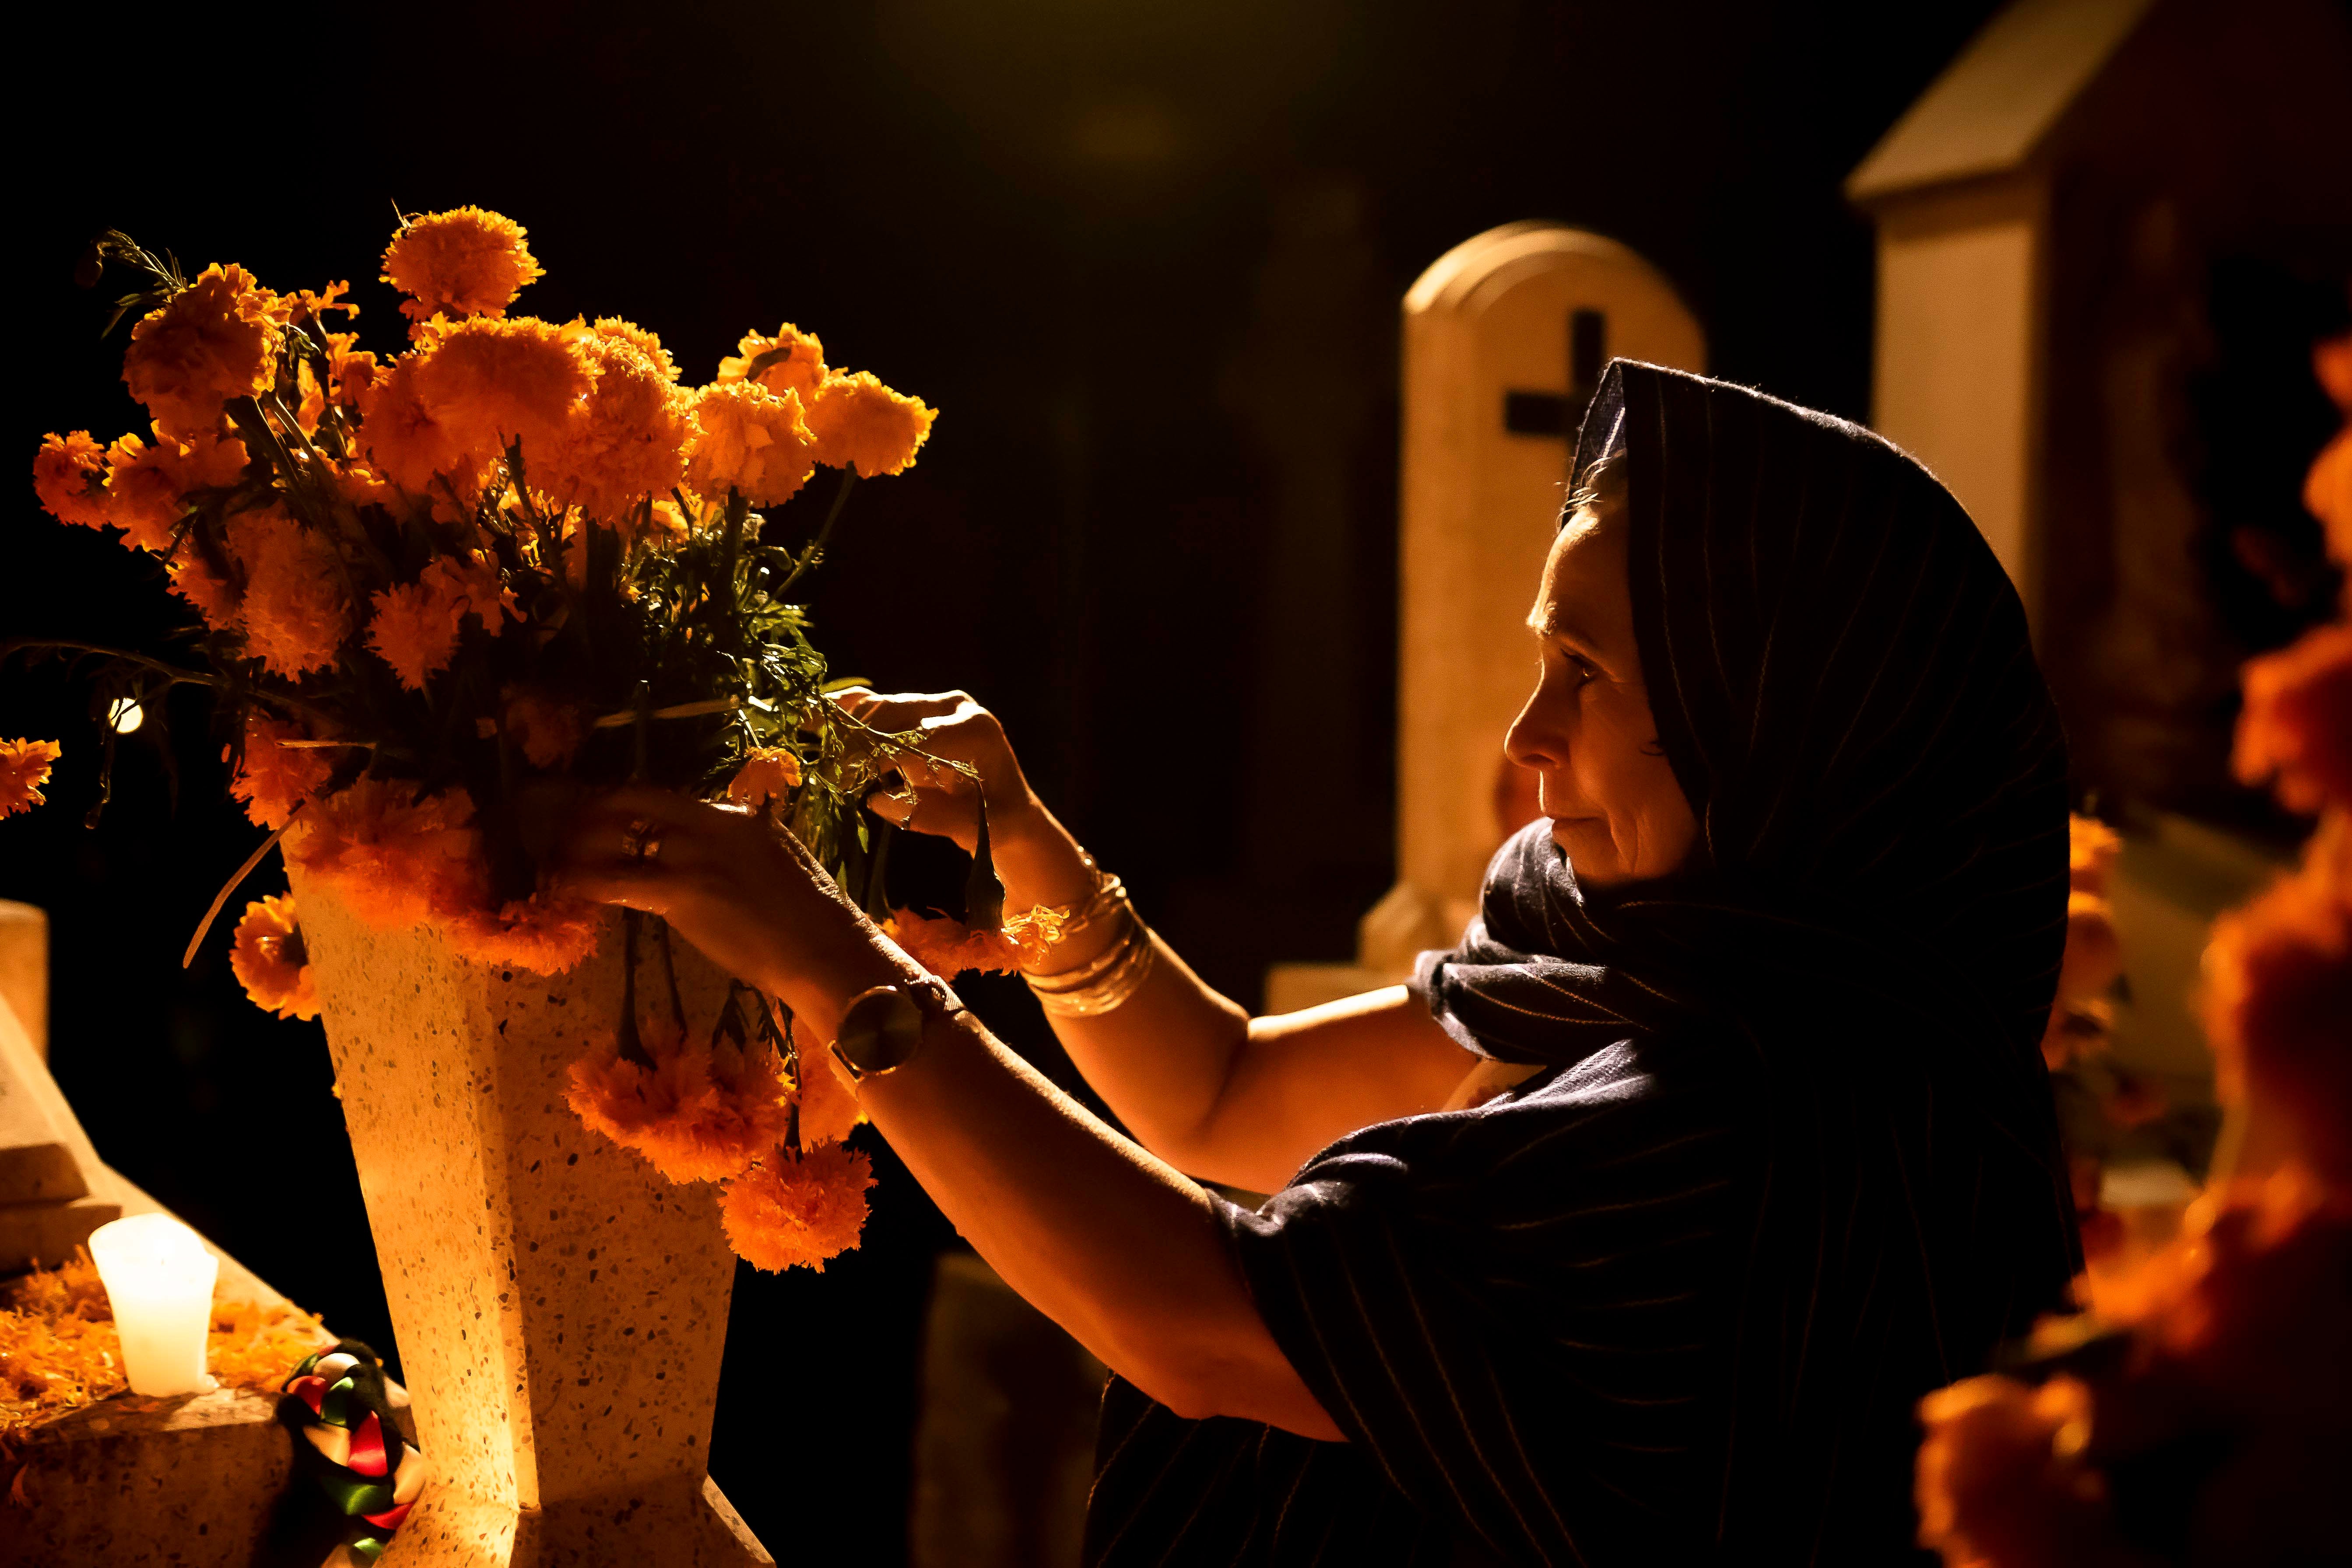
(1796, 1163)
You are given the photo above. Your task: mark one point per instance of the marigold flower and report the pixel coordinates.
(702, 1113)
(70, 477)
(2092, 848)
(2296, 729)
(217, 339)
(464, 262)
(860, 422)
(294, 615)
(2327, 495)
(210, 594)
(490, 384)
(948, 948)
(408, 442)
(828, 1108)
(626, 441)
(273, 778)
(639, 339)
(24, 769)
(791, 361)
(413, 626)
(543, 934)
(789, 1211)
(2002, 1482)
(2278, 990)
(769, 772)
(548, 732)
(751, 439)
(396, 858)
(147, 483)
(270, 962)
(2331, 362)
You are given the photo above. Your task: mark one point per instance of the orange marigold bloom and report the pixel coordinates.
(490, 384)
(464, 262)
(396, 859)
(295, 614)
(2091, 850)
(24, 769)
(788, 1211)
(702, 1113)
(639, 339)
(769, 772)
(2278, 991)
(270, 962)
(548, 732)
(408, 442)
(70, 477)
(2327, 495)
(948, 948)
(751, 439)
(2331, 362)
(791, 361)
(543, 934)
(147, 484)
(217, 339)
(860, 422)
(273, 777)
(2297, 725)
(210, 595)
(2002, 1482)
(413, 626)
(626, 441)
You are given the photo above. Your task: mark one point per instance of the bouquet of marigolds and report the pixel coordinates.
(516, 554)
(2199, 1410)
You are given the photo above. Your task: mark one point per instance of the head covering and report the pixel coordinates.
(1872, 917)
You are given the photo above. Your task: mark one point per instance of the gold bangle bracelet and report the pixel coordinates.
(1106, 988)
(1087, 973)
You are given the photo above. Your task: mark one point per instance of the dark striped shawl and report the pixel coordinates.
(1797, 1163)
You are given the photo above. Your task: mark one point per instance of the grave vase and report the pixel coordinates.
(560, 1308)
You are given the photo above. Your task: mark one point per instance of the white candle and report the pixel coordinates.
(158, 1278)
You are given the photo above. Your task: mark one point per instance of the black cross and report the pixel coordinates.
(1548, 413)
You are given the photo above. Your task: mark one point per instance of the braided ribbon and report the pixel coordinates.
(336, 1401)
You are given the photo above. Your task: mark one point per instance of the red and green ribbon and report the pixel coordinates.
(335, 1401)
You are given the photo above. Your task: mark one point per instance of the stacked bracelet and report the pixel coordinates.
(1112, 976)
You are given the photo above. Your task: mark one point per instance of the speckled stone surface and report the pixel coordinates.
(560, 1308)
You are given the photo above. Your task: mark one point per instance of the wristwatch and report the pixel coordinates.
(882, 1029)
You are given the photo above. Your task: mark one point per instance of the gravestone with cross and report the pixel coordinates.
(1505, 337)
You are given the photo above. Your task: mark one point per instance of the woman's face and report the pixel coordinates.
(1587, 733)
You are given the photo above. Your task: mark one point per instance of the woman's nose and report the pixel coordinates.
(1538, 738)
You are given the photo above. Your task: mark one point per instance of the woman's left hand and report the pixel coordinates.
(748, 894)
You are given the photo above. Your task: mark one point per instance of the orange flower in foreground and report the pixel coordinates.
(2278, 992)
(548, 732)
(791, 361)
(2001, 1483)
(2331, 363)
(639, 339)
(210, 594)
(860, 422)
(544, 934)
(626, 441)
(408, 443)
(413, 626)
(751, 438)
(269, 960)
(295, 613)
(948, 948)
(2297, 725)
(2091, 850)
(702, 1113)
(70, 477)
(768, 774)
(274, 778)
(2327, 495)
(464, 262)
(217, 339)
(147, 483)
(489, 383)
(395, 857)
(24, 769)
(789, 1212)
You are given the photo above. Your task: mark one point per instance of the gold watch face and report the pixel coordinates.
(882, 1029)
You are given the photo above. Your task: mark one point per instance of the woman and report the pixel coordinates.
(1630, 1231)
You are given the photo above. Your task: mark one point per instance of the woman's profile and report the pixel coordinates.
(1633, 1229)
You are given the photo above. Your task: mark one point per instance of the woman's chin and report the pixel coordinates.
(1590, 850)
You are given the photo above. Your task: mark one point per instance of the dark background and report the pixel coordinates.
(1146, 258)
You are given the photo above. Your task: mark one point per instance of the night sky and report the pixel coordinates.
(1145, 255)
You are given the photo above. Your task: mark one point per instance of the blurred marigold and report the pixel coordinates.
(396, 857)
(270, 962)
(2091, 850)
(791, 361)
(751, 439)
(797, 1211)
(625, 442)
(24, 769)
(545, 934)
(217, 339)
(2000, 1479)
(702, 1113)
(548, 732)
(860, 422)
(769, 772)
(2296, 729)
(464, 262)
(70, 477)
(210, 595)
(273, 777)
(295, 612)
(413, 626)
(2094, 953)
(948, 948)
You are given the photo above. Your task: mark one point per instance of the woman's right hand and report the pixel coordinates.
(942, 800)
